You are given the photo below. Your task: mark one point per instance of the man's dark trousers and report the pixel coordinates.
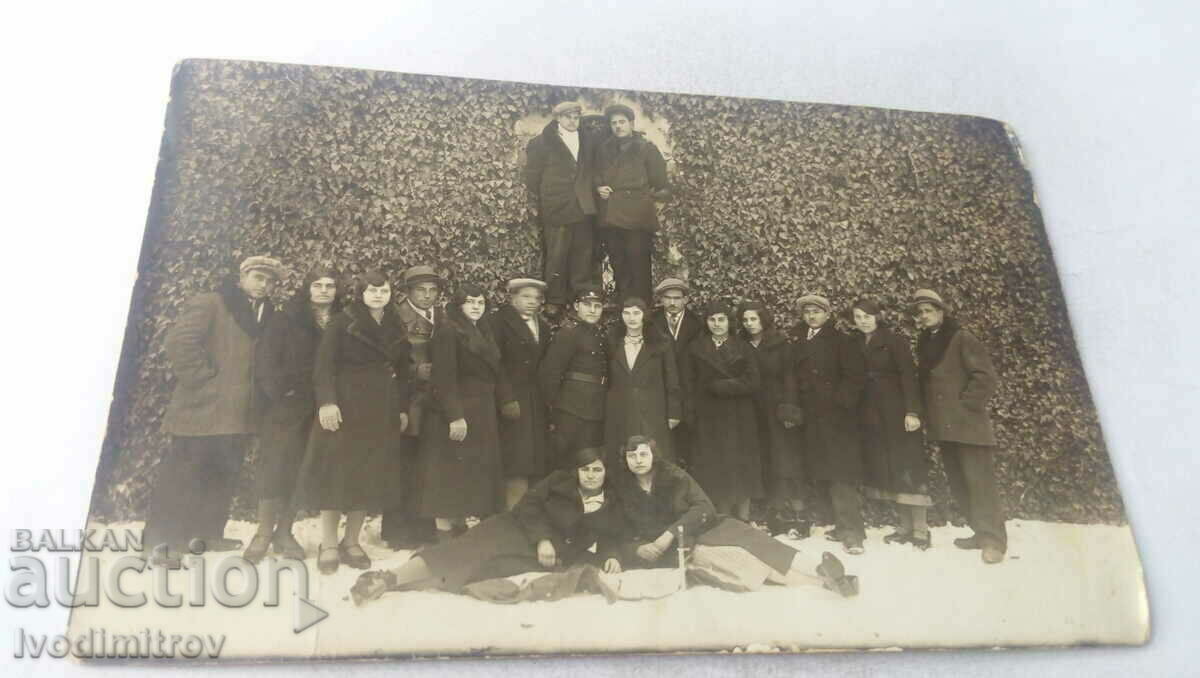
(970, 470)
(568, 263)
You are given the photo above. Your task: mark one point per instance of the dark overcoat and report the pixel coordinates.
(828, 376)
(676, 500)
(637, 173)
(283, 370)
(211, 351)
(463, 478)
(783, 458)
(726, 454)
(561, 183)
(360, 367)
(641, 397)
(418, 330)
(523, 440)
(506, 544)
(957, 389)
(895, 459)
(577, 349)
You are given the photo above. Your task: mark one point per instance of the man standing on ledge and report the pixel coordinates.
(574, 379)
(211, 415)
(957, 380)
(630, 176)
(558, 174)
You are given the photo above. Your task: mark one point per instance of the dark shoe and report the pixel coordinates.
(352, 555)
(992, 554)
(328, 558)
(833, 576)
(853, 546)
(286, 545)
(922, 543)
(165, 557)
(789, 524)
(898, 537)
(216, 545)
(968, 543)
(257, 549)
(833, 535)
(371, 585)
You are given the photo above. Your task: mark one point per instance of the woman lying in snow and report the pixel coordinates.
(567, 519)
(661, 501)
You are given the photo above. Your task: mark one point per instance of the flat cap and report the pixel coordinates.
(815, 300)
(419, 274)
(671, 284)
(567, 107)
(926, 297)
(521, 283)
(261, 263)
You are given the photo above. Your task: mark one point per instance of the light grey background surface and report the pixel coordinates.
(1103, 97)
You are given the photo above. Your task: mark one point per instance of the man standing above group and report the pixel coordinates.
(558, 174)
(630, 176)
(830, 375)
(522, 336)
(418, 310)
(211, 415)
(957, 380)
(679, 326)
(574, 378)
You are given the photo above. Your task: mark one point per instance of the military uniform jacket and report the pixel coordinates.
(574, 371)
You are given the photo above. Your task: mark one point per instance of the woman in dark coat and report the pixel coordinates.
(890, 413)
(778, 416)
(362, 394)
(283, 371)
(569, 517)
(723, 380)
(461, 474)
(662, 503)
(643, 382)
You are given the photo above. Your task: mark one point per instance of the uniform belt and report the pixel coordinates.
(589, 378)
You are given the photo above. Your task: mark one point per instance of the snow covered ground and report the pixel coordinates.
(1062, 584)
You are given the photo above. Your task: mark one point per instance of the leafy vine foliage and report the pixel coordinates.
(361, 169)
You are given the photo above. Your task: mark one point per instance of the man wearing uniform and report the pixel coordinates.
(574, 379)
(400, 527)
(679, 326)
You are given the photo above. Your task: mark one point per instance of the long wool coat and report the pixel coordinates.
(641, 397)
(211, 350)
(561, 183)
(781, 444)
(465, 478)
(360, 367)
(523, 440)
(637, 173)
(726, 454)
(895, 459)
(957, 388)
(506, 544)
(828, 375)
(283, 370)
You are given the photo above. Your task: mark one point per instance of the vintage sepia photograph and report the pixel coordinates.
(424, 366)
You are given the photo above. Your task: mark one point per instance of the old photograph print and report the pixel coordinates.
(426, 366)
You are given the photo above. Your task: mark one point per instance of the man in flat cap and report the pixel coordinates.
(558, 175)
(679, 326)
(631, 175)
(574, 379)
(523, 336)
(957, 380)
(827, 379)
(420, 314)
(212, 413)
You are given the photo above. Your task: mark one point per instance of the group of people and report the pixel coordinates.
(545, 434)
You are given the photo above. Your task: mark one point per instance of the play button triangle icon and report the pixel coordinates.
(307, 614)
